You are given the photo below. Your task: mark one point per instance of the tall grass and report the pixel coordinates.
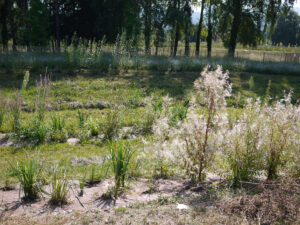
(29, 174)
(59, 187)
(121, 155)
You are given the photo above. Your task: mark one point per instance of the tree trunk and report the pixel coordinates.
(176, 39)
(199, 30)
(57, 26)
(12, 29)
(147, 31)
(156, 43)
(187, 46)
(3, 20)
(237, 14)
(209, 35)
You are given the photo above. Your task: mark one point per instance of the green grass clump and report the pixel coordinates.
(59, 187)
(121, 155)
(29, 174)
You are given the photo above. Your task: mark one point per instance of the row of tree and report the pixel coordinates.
(40, 22)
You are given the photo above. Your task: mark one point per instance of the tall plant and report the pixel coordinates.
(43, 89)
(121, 155)
(29, 174)
(199, 132)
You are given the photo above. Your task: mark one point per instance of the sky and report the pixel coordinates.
(296, 5)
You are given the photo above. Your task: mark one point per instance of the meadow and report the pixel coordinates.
(147, 137)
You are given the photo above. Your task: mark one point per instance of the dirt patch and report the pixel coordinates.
(11, 205)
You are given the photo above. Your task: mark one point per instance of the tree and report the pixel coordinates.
(3, 20)
(159, 22)
(245, 17)
(37, 18)
(187, 10)
(287, 30)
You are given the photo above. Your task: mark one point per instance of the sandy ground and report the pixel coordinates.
(138, 192)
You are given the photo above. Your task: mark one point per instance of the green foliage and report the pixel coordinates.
(35, 133)
(179, 112)
(121, 155)
(37, 17)
(59, 187)
(29, 174)
(287, 30)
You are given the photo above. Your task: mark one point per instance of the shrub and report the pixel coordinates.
(59, 187)
(29, 174)
(282, 133)
(243, 145)
(199, 132)
(121, 155)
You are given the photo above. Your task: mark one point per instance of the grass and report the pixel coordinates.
(99, 96)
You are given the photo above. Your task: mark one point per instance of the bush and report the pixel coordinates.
(242, 143)
(199, 132)
(29, 174)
